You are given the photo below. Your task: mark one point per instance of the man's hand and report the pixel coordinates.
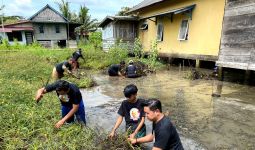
(111, 135)
(59, 124)
(132, 140)
(39, 94)
(132, 135)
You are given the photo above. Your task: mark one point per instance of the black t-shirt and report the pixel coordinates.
(132, 112)
(72, 97)
(166, 136)
(114, 69)
(59, 67)
(131, 70)
(77, 55)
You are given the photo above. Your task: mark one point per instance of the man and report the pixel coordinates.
(131, 70)
(70, 98)
(166, 136)
(75, 56)
(115, 70)
(132, 111)
(59, 69)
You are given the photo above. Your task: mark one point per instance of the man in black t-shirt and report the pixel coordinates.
(59, 69)
(131, 70)
(132, 110)
(70, 98)
(166, 136)
(75, 56)
(115, 69)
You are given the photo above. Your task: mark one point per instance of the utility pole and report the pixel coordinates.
(2, 18)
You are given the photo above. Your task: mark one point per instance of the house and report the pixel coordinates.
(47, 26)
(237, 49)
(186, 29)
(115, 28)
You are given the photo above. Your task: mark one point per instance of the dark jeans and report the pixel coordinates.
(80, 114)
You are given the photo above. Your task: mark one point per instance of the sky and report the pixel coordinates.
(98, 9)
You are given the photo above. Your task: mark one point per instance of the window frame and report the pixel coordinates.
(161, 36)
(57, 28)
(186, 31)
(41, 28)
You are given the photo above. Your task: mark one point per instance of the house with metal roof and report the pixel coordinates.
(47, 26)
(186, 29)
(116, 28)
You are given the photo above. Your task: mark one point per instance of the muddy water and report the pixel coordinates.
(227, 122)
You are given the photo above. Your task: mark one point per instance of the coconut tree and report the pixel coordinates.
(88, 24)
(64, 8)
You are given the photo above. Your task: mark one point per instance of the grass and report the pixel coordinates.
(25, 124)
(28, 125)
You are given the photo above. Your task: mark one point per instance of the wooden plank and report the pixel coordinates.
(238, 3)
(235, 65)
(238, 46)
(240, 10)
(237, 22)
(235, 52)
(232, 58)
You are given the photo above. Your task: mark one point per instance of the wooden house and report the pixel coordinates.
(116, 28)
(186, 29)
(47, 26)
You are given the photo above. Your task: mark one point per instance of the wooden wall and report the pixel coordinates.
(120, 30)
(237, 49)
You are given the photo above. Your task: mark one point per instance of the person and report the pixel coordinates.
(166, 136)
(131, 70)
(59, 69)
(70, 98)
(75, 56)
(131, 109)
(115, 69)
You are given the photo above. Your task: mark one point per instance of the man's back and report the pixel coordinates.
(166, 136)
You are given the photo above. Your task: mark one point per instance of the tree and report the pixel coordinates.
(123, 11)
(85, 20)
(64, 8)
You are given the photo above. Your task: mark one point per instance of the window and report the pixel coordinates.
(14, 35)
(41, 29)
(144, 26)
(160, 30)
(57, 29)
(183, 33)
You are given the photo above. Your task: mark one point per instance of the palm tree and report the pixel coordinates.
(85, 20)
(64, 8)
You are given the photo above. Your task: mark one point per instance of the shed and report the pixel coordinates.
(117, 28)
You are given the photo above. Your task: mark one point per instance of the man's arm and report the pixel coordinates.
(156, 148)
(116, 126)
(69, 72)
(147, 138)
(138, 128)
(69, 115)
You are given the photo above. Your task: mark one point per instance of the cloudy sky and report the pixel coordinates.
(98, 9)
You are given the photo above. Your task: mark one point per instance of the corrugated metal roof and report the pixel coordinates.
(144, 3)
(10, 29)
(108, 19)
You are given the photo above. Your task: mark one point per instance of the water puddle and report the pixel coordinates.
(204, 122)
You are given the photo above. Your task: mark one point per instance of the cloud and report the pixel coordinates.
(98, 9)
(19, 7)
